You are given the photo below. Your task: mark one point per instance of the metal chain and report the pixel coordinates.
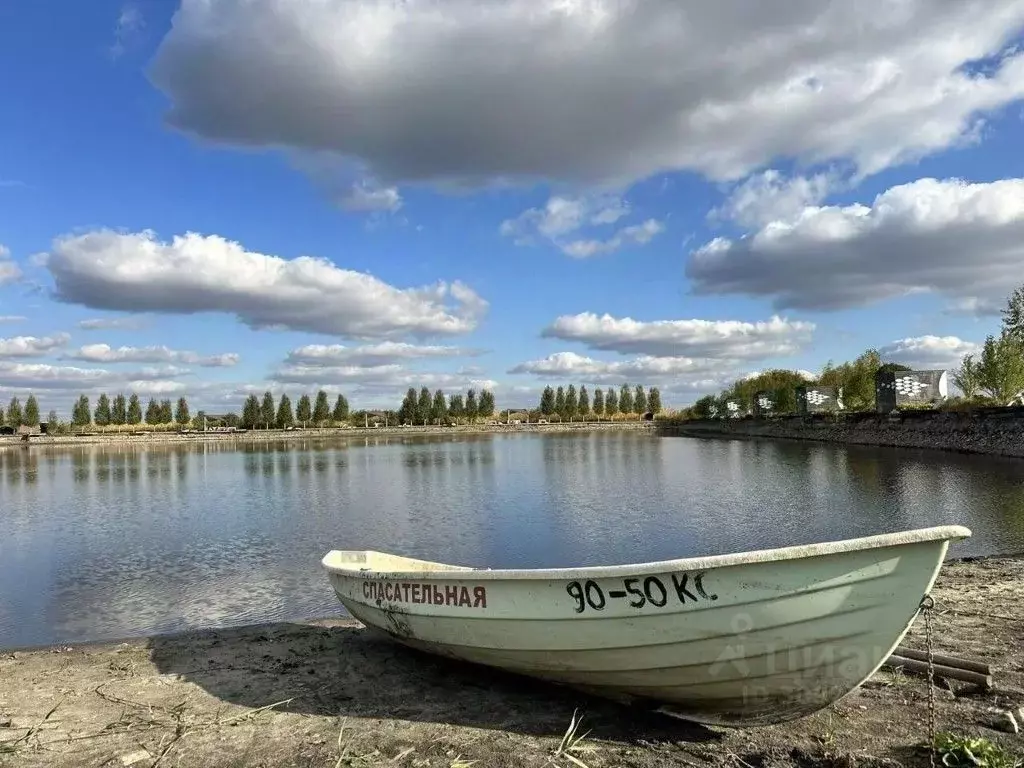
(927, 603)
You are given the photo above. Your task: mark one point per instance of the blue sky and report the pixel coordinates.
(211, 197)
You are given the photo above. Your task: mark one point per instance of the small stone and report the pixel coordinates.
(1003, 720)
(135, 757)
(5, 722)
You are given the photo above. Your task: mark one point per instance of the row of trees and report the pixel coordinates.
(567, 403)
(424, 408)
(257, 413)
(995, 376)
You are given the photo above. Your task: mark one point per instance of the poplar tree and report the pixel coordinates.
(181, 414)
(560, 401)
(625, 400)
(472, 408)
(584, 406)
(598, 402)
(571, 402)
(251, 412)
(304, 410)
(134, 414)
(547, 401)
(640, 401)
(102, 414)
(340, 412)
(486, 406)
(654, 401)
(455, 407)
(166, 412)
(439, 408)
(14, 413)
(267, 413)
(424, 405)
(119, 410)
(153, 412)
(321, 409)
(285, 417)
(31, 416)
(611, 402)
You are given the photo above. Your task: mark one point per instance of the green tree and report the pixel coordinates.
(486, 407)
(625, 399)
(81, 414)
(304, 410)
(439, 408)
(200, 420)
(1002, 367)
(321, 409)
(1013, 315)
(119, 410)
(268, 414)
(251, 412)
(654, 400)
(572, 403)
(31, 416)
(134, 415)
(547, 401)
(407, 411)
(705, 407)
(153, 414)
(472, 407)
(166, 412)
(340, 412)
(560, 402)
(181, 414)
(14, 413)
(53, 425)
(893, 368)
(3, 420)
(598, 402)
(967, 378)
(640, 400)
(285, 417)
(102, 415)
(584, 404)
(611, 402)
(423, 405)
(456, 409)
(857, 380)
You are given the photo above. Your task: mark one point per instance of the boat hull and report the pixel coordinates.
(751, 639)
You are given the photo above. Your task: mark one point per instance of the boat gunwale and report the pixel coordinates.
(940, 533)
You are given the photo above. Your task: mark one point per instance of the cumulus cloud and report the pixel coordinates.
(130, 322)
(563, 216)
(193, 273)
(32, 346)
(731, 339)
(374, 380)
(641, 369)
(129, 23)
(62, 377)
(364, 196)
(929, 352)
(104, 353)
(9, 271)
(371, 354)
(770, 196)
(472, 92)
(962, 240)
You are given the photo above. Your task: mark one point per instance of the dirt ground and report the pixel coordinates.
(330, 694)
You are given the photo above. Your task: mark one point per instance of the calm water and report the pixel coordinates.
(104, 542)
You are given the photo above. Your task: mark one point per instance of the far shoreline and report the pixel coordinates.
(314, 433)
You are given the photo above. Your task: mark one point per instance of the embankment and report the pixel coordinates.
(996, 432)
(277, 435)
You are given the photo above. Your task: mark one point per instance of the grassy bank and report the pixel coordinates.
(277, 435)
(327, 693)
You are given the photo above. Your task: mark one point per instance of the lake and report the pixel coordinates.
(103, 542)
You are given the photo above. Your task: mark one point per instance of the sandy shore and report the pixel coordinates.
(274, 435)
(328, 693)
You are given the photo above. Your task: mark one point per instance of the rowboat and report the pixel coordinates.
(741, 639)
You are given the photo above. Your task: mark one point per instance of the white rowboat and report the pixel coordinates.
(742, 639)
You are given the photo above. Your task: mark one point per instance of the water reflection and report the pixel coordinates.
(120, 540)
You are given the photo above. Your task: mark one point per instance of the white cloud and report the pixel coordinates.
(112, 323)
(962, 240)
(371, 354)
(638, 234)
(104, 353)
(12, 318)
(32, 346)
(375, 382)
(194, 273)
(640, 370)
(563, 216)
(62, 377)
(598, 90)
(364, 196)
(929, 352)
(729, 339)
(770, 196)
(129, 24)
(9, 271)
